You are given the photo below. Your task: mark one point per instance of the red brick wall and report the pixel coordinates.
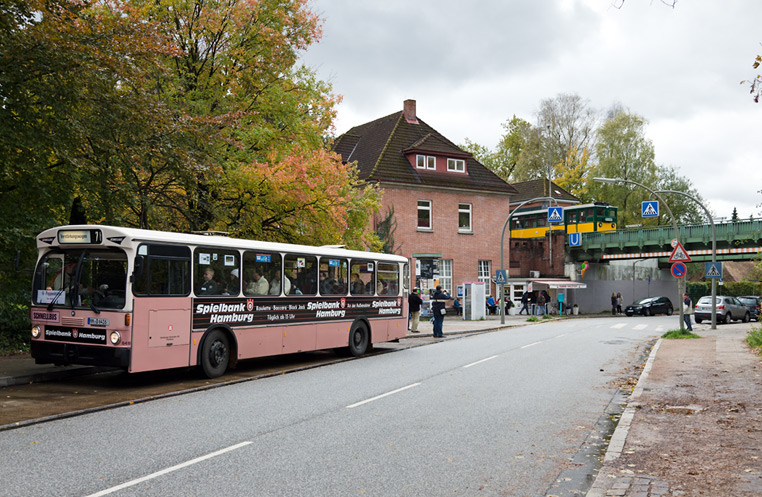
(488, 215)
(531, 254)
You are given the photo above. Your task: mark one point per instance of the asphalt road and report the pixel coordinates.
(492, 414)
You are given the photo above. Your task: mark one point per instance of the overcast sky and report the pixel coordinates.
(472, 65)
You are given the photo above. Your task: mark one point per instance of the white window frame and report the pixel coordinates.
(456, 165)
(485, 276)
(445, 275)
(429, 162)
(466, 209)
(426, 207)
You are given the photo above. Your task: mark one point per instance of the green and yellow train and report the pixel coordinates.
(585, 218)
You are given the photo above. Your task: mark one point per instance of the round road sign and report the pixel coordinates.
(678, 270)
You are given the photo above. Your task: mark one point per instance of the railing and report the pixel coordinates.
(691, 233)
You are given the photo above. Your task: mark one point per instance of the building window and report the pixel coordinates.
(424, 215)
(485, 276)
(456, 165)
(425, 162)
(464, 218)
(445, 275)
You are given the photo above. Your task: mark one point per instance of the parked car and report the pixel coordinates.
(650, 306)
(728, 309)
(753, 303)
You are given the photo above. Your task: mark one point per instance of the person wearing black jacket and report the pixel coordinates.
(414, 302)
(438, 301)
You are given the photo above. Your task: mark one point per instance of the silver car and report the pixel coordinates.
(728, 309)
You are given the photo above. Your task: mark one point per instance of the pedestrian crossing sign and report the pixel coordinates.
(555, 214)
(650, 208)
(713, 270)
(500, 277)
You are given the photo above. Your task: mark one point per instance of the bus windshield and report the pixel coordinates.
(78, 278)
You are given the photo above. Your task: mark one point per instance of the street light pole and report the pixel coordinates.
(680, 282)
(714, 251)
(502, 239)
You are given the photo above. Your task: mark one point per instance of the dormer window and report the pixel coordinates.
(425, 162)
(456, 165)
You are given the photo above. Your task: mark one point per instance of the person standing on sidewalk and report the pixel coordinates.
(414, 303)
(524, 303)
(687, 311)
(613, 303)
(541, 304)
(438, 301)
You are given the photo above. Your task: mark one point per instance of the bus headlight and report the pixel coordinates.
(36, 331)
(115, 337)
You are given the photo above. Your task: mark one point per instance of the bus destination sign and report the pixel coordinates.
(66, 237)
(268, 311)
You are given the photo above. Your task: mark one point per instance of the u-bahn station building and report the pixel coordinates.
(447, 212)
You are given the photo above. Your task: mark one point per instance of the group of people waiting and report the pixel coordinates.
(540, 303)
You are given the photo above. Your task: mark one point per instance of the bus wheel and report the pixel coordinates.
(359, 339)
(215, 355)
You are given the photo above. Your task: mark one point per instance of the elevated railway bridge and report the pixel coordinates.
(739, 240)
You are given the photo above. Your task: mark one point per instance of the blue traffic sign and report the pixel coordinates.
(650, 208)
(713, 270)
(575, 239)
(678, 270)
(555, 214)
(500, 277)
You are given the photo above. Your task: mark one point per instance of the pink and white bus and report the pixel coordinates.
(147, 300)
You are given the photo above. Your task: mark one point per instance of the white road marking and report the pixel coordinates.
(559, 336)
(168, 470)
(529, 345)
(619, 325)
(479, 362)
(640, 326)
(659, 328)
(382, 395)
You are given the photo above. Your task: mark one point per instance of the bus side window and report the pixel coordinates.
(162, 270)
(333, 276)
(388, 279)
(211, 267)
(302, 272)
(362, 277)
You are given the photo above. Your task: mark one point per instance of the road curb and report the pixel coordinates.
(618, 439)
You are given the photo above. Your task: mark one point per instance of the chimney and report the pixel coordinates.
(408, 108)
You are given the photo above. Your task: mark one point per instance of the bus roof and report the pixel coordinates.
(114, 236)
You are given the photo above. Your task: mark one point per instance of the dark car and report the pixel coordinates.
(650, 306)
(728, 309)
(753, 303)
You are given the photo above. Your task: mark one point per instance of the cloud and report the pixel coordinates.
(471, 66)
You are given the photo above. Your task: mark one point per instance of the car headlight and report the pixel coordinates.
(36, 331)
(115, 337)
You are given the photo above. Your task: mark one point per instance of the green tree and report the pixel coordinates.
(734, 215)
(623, 151)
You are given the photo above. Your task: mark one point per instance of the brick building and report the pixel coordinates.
(449, 209)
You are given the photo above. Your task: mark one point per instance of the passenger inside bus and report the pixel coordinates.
(358, 288)
(258, 284)
(233, 285)
(209, 285)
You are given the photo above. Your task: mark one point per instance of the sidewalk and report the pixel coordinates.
(17, 370)
(693, 424)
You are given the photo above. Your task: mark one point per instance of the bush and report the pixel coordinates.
(14, 324)
(754, 339)
(679, 334)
